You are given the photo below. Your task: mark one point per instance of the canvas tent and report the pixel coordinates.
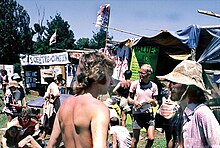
(195, 42)
(201, 44)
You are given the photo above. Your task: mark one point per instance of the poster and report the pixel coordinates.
(143, 55)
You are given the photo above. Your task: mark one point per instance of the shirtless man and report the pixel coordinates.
(82, 120)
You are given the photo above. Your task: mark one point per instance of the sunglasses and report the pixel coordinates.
(145, 73)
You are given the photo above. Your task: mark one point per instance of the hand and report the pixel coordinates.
(150, 100)
(51, 101)
(137, 104)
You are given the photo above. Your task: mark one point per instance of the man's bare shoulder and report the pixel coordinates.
(83, 101)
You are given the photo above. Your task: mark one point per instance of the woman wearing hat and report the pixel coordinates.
(200, 128)
(13, 104)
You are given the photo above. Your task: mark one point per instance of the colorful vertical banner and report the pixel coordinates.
(143, 55)
(103, 16)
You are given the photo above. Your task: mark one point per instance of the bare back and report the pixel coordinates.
(83, 122)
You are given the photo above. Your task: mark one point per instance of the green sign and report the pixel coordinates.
(143, 55)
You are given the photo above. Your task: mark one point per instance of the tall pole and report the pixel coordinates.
(108, 15)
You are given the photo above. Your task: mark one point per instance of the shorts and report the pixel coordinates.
(142, 120)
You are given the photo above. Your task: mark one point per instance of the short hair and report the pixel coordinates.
(114, 121)
(93, 67)
(148, 68)
(23, 115)
(127, 74)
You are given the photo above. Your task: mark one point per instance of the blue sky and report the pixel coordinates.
(144, 17)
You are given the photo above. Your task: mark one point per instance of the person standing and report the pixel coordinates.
(51, 104)
(200, 127)
(4, 80)
(82, 120)
(143, 94)
(122, 90)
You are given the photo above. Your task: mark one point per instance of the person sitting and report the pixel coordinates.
(12, 138)
(121, 137)
(16, 77)
(13, 103)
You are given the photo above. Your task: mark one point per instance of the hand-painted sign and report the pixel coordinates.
(143, 55)
(45, 59)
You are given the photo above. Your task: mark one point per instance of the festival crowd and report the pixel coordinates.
(87, 120)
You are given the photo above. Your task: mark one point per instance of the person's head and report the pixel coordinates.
(12, 132)
(93, 68)
(13, 85)
(186, 80)
(128, 74)
(4, 72)
(114, 121)
(145, 72)
(48, 76)
(24, 117)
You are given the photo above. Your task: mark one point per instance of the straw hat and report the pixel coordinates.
(13, 84)
(187, 72)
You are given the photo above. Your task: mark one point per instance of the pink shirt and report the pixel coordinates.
(142, 95)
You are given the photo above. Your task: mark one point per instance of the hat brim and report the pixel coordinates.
(182, 79)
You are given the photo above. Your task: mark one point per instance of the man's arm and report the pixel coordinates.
(99, 126)
(56, 136)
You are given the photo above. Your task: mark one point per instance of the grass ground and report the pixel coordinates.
(159, 141)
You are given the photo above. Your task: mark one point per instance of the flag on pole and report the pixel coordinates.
(53, 38)
(103, 16)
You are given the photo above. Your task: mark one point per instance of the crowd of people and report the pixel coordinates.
(83, 120)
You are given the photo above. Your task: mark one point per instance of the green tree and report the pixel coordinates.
(99, 39)
(64, 36)
(15, 34)
(82, 43)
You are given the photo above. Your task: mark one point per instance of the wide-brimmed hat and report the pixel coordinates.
(13, 84)
(187, 72)
(15, 76)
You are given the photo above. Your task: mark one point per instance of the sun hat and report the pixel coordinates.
(187, 72)
(15, 76)
(13, 84)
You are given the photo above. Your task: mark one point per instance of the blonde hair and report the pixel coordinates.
(147, 67)
(93, 67)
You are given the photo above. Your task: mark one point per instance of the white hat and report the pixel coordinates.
(15, 76)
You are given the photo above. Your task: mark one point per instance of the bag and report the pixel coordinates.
(168, 109)
(145, 108)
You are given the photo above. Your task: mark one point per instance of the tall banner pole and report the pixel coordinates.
(103, 19)
(108, 15)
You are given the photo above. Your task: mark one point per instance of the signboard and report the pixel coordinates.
(45, 59)
(30, 79)
(143, 55)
